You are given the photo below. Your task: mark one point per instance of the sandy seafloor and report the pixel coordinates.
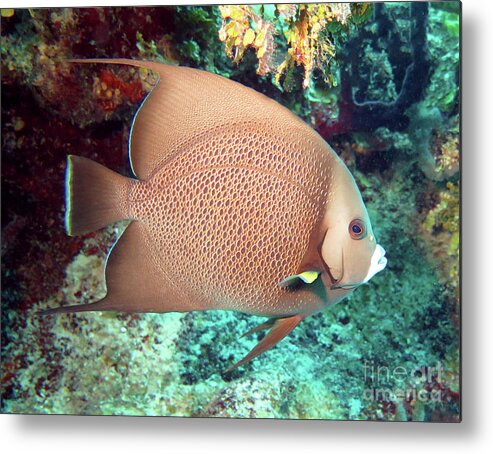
(397, 335)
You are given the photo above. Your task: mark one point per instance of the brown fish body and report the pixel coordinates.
(237, 205)
(231, 215)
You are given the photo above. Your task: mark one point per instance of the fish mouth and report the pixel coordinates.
(377, 264)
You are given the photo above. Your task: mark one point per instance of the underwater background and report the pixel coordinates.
(380, 82)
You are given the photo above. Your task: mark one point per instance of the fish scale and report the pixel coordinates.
(238, 167)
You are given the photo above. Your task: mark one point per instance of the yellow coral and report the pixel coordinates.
(308, 47)
(444, 218)
(448, 160)
(238, 35)
(7, 12)
(305, 28)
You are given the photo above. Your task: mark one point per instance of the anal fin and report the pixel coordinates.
(281, 327)
(133, 282)
(101, 305)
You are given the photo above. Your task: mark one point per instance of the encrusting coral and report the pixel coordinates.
(442, 222)
(310, 32)
(243, 28)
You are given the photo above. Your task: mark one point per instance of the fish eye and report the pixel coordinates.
(357, 229)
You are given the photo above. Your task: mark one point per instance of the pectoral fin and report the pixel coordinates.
(280, 329)
(308, 277)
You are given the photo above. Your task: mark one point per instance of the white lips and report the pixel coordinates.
(378, 262)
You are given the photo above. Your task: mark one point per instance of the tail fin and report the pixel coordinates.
(94, 196)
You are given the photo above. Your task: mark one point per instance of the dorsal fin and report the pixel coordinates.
(187, 102)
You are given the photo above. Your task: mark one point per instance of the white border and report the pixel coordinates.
(28, 434)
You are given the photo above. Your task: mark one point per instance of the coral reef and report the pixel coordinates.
(379, 82)
(441, 227)
(310, 32)
(238, 35)
(309, 40)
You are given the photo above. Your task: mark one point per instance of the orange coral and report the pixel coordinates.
(308, 47)
(238, 35)
(306, 30)
(112, 91)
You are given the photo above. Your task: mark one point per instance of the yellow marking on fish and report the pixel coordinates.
(308, 277)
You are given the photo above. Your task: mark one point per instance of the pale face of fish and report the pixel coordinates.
(349, 248)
